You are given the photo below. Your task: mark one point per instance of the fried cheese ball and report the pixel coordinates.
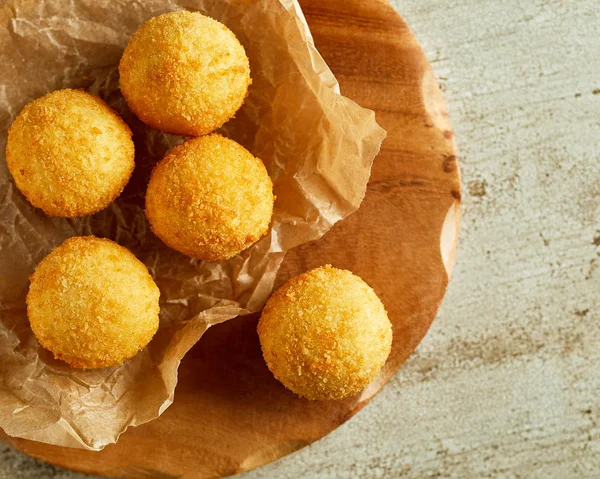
(69, 153)
(209, 198)
(184, 73)
(325, 334)
(92, 303)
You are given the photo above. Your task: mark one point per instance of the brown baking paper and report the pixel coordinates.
(317, 145)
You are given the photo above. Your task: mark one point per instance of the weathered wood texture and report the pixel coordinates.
(507, 382)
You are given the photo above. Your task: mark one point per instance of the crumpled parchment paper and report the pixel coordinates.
(317, 145)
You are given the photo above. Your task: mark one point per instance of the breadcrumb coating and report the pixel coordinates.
(325, 334)
(69, 153)
(92, 303)
(184, 73)
(209, 198)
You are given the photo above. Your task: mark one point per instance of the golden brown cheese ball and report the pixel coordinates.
(209, 198)
(325, 334)
(184, 73)
(69, 153)
(92, 303)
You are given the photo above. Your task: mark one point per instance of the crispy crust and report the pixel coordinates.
(209, 198)
(69, 153)
(184, 73)
(325, 334)
(92, 303)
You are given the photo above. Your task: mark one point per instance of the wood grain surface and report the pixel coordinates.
(230, 414)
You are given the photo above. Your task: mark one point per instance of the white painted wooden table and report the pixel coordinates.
(507, 382)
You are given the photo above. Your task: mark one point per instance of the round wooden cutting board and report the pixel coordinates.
(229, 413)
